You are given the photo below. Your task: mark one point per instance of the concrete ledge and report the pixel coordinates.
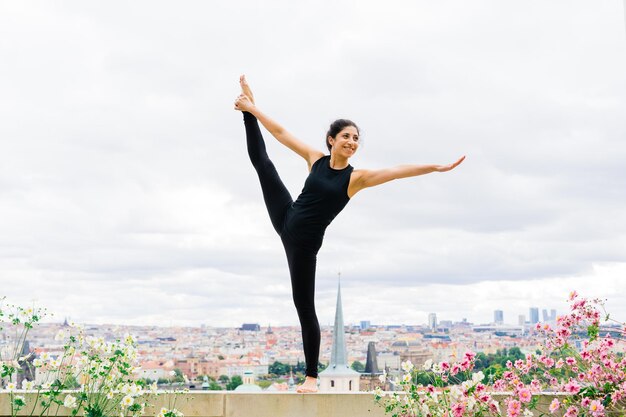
(264, 404)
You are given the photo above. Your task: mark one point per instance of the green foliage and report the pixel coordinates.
(214, 386)
(235, 381)
(224, 379)
(358, 366)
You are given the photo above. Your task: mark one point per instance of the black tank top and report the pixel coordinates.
(324, 195)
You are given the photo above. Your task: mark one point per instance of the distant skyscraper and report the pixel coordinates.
(498, 317)
(553, 315)
(533, 312)
(432, 321)
(545, 316)
(365, 324)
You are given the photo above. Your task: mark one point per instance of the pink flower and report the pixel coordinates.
(554, 405)
(572, 387)
(585, 402)
(581, 376)
(559, 363)
(480, 387)
(524, 395)
(571, 412)
(484, 398)
(513, 408)
(458, 409)
(445, 366)
(499, 385)
(596, 408)
(470, 355)
(572, 295)
(535, 385)
(455, 369)
(570, 361)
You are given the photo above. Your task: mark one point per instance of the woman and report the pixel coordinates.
(301, 224)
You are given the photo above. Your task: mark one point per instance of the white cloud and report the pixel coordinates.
(126, 194)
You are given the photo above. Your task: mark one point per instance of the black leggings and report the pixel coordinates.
(301, 260)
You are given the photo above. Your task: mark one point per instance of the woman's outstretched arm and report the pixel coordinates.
(307, 152)
(371, 178)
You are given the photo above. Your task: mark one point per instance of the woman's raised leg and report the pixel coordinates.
(276, 196)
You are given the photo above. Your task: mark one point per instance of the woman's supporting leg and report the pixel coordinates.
(302, 270)
(276, 196)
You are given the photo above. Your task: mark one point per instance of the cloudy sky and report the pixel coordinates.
(126, 195)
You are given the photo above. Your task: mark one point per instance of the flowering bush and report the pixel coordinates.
(101, 373)
(575, 360)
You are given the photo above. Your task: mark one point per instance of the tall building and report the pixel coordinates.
(498, 317)
(533, 312)
(544, 315)
(338, 376)
(553, 316)
(432, 321)
(365, 324)
(370, 378)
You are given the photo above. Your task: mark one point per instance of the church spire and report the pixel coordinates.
(338, 355)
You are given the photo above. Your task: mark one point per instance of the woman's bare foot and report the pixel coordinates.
(245, 88)
(309, 385)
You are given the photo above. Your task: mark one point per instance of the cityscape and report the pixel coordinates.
(253, 355)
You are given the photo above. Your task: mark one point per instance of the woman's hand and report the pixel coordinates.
(243, 103)
(445, 168)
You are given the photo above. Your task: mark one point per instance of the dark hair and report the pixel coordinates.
(336, 127)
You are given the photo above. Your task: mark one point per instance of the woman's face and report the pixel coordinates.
(346, 142)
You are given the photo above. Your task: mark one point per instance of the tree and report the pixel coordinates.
(214, 386)
(178, 375)
(235, 381)
(224, 379)
(358, 366)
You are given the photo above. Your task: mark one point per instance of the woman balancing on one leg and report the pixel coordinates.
(301, 223)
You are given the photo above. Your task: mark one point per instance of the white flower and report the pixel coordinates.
(382, 378)
(45, 386)
(528, 413)
(478, 376)
(407, 366)
(437, 368)
(428, 364)
(11, 387)
(28, 385)
(425, 409)
(471, 402)
(54, 363)
(69, 402)
(109, 395)
(455, 392)
(378, 392)
(154, 388)
(38, 363)
(406, 378)
(60, 335)
(45, 356)
(172, 373)
(127, 401)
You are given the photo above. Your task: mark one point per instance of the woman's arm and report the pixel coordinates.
(307, 152)
(371, 178)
